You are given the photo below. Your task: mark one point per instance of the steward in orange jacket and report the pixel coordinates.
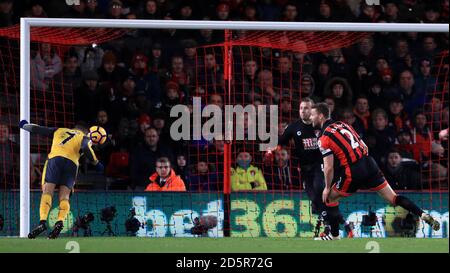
(171, 183)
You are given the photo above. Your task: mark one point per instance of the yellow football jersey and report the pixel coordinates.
(67, 143)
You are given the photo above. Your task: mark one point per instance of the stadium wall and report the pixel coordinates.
(256, 214)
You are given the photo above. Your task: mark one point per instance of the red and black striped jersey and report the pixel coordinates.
(341, 139)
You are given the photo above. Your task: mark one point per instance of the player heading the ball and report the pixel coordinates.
(61, 167)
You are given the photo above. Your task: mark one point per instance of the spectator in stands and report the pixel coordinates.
(205, 178)
(380, 138)
(269, 94)
(290, 13)
(361, 110)
(144, 156)
(339, 89)
(88, 98)
(45, 64)
(222, 11)
(150, 11)
(181, 169)
(361, 79)
(215, 156)
(249, 83)
(321, 76)
(413, 97)
(177, 73)
(286, 111)
(103, 121)
(110, 74)
(424, 80)
(399, 55)
(284, 76)
(422, 137)
(207, 36)
(172, 96)
(92, 10)
(365, 51)
(307, 87)
(398, 118)
(250, 12)
(123, 102)
(144, 122)
(348, 116)
(185, 11)
(283, 176)
(36, 9)
(115, 10)
(157, 60)
(190, 57)
(402, 174)
(391, 12)
(145, 80)
(332, 105)
(368, 13)
(432, 14)
(246, 176)
(90, 57)
(435, 110)
(7, 15)
(70, 78)
(429, 47)
(405, 146)
(211, 75)
(216, 99)
(165, 179)
(339, 65)
(325, 12)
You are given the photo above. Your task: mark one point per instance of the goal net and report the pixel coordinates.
(129, 80)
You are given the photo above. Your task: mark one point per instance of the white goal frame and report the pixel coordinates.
(27, 23)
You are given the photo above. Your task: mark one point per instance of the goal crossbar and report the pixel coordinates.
(27, 23)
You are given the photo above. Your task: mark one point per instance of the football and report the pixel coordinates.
(97, 134)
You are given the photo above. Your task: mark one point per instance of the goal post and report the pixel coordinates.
(26, 24)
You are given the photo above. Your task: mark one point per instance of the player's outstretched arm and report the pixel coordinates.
(34, 128)
(90, 154)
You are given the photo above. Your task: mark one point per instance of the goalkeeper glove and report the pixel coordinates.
(99, 167)
(22, 123)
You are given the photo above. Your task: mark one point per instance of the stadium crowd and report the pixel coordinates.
(383, 86)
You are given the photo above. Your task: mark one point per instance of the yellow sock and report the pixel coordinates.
(45, 206)
(64, 208)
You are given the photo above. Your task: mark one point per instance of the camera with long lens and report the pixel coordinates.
(203, 224)
(408, 225)
(370, 219)
(83, 223)
(132, 224)
(107, 215)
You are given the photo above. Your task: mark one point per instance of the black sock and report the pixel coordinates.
(333, 217)
(408, 205)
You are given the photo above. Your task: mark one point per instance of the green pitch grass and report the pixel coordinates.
(224, 245)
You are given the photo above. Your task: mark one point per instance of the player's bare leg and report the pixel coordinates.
(333, 216)
(64, 209)
(44, 209)
(392, 198)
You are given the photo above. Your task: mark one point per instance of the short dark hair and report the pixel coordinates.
(163, 160)
(307, 99)
(322, 108)
(393, 151)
